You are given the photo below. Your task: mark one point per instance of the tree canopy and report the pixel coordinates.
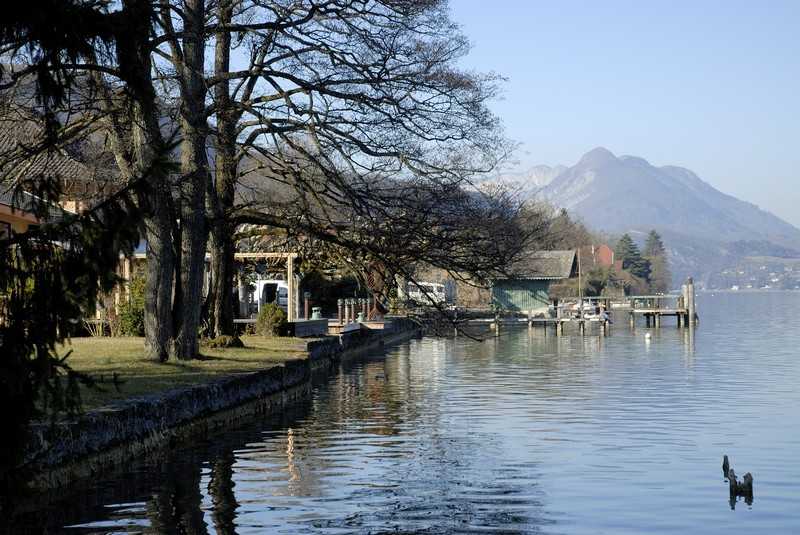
(346, 127)
(628, 252)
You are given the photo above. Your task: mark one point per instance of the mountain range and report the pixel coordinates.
(704, 229)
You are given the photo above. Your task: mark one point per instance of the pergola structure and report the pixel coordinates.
(126, 270)
(294, 291)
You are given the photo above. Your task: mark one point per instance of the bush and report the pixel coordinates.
(271, 321)
(131, 312)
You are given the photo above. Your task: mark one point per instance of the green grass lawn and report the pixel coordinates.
(101, 357)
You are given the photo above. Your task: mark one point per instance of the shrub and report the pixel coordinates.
(131, 312)
(271, 321)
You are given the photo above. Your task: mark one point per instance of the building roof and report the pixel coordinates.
(22, 159)
(29, 203)
(546, 265)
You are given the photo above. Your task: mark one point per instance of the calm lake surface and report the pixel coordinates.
(518, 434)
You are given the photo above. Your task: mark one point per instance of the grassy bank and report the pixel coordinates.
(102, 357)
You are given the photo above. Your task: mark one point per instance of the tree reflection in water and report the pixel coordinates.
(176, 507)
(223, 498)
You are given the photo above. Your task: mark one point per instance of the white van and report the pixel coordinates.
(272, 291)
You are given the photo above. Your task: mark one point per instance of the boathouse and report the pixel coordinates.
(528, 289)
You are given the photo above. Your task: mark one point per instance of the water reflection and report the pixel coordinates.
(522, 433)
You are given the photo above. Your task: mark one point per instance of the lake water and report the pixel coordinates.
(517, 434)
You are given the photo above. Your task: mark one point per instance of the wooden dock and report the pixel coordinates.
(653, 308)
(557, 325)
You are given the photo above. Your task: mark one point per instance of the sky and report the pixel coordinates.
(713, 86)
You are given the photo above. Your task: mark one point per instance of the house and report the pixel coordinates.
(14, 218)
(528, 289)
(596, 256)
(19, 131)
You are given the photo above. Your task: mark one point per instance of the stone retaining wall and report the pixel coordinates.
(105, 437)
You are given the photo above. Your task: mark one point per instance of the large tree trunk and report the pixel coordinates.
(158, 290)
(148, 151)
(221, 194)
(194, 176)
(223, 267)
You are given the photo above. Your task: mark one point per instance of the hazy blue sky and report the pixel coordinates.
(710, 85)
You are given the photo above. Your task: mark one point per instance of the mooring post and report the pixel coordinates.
(658, 320)
(690, 301)
(340, 306)
(497, 324)
(633, 319)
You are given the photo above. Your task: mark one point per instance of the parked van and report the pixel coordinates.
(272, 291)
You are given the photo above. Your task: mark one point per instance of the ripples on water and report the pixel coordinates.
(518, 434)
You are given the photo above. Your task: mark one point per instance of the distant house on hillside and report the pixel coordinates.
(529, 288)
(593, 256)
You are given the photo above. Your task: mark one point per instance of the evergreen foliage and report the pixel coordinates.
(49, 279)
(655, 253)
(654, 246)
(271, 320)
(131, 312)
(632, 260)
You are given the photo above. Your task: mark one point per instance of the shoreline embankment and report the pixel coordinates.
(102, 439)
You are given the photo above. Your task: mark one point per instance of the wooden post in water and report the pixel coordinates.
(690, 301)
(633, 319)
(684, 303)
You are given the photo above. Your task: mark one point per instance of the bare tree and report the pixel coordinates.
(355, 108)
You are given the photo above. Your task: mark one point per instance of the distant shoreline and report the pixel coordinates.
(750, 291)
